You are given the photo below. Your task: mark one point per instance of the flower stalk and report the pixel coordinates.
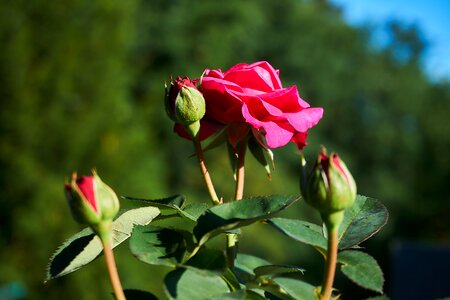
(233, 238)
(240, 171)
(332, 223)
(204, 171)
(112, 269)
(94, 203)
(330, 189)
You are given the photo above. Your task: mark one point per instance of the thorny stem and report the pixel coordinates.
(204, 172)
(112, 270)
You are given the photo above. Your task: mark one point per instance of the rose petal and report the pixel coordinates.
(213, 83)
(259, 109)
(221, 102)
(277, 134)
(299, 139)
(213, 73)
(286, 99)
(254, 79)
(274, 74)
(305, 119)
(258, 76)
(86, 186)
(236, 68)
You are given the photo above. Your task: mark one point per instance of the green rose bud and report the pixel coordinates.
(92, 202)
(330, 187)
(185, 104)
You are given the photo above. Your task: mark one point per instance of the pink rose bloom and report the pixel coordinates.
(251, 98)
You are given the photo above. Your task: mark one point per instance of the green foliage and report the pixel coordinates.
(237, 214)
(296, 289)
(362, 269)
(208, 261)
(158, 246)
(361, 221)
(85, 246)
(276, 269)
(200, 272)
(179, 285)
(172, 248)
(302, 231)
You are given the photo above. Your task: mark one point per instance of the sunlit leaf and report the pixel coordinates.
(302, 231)
(237, 295)
(245, 264)
(276, 270)
(85, 246)
(365, 218)
(362, 269)
(157, 245)
(248, 263)
(185, 284)
(194, 210)
(228, 216)
(361, 221)
(295, 288)
(174, 202)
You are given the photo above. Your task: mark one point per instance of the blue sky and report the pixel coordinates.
(432, 16)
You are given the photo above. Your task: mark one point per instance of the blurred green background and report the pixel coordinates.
(81, 85)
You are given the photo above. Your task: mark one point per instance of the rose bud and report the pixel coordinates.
(185, 104)
(91, 201)
(330, 188)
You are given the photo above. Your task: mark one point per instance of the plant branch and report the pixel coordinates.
(112, 270)
(204, 172)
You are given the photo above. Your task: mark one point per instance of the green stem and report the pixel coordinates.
(232, 243)
(204, 172)
(233, 238)
(330, 267)
(240, 171)
(332, 222)
(112, 270)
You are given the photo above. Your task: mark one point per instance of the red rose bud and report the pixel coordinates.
(185, 104)
(91, 201)
(330, 188)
